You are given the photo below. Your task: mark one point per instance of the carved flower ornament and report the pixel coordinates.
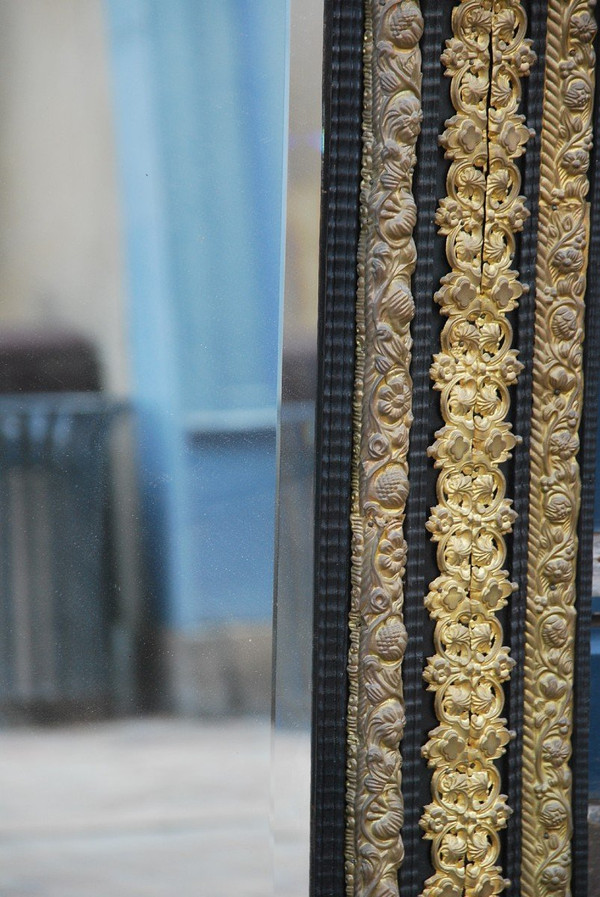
(405, 25)
(392, 552)
(391, 639)
(584, 27)
(394, 399)
(577, 93)
(553, 814)
(405, 118)
(398, 217)
(400, 306)
(564, 320)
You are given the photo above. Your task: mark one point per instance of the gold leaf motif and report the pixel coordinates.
(555, 483)
(485, 59)
(383, 416)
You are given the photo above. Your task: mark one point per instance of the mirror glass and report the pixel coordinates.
(295, 531)
(142, 156)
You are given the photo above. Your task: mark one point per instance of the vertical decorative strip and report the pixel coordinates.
(480, 216)
(415, 785)
(340, 187)
(563, 235)
(385, 307)
(533, 92)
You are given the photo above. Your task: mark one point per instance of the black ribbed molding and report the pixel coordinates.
(429, 186)
(524, 328)
(339, 242)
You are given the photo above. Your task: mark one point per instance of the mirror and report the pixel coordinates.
(294, 593)
(142, 162)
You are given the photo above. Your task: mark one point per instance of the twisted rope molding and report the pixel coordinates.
(563, 242)
(383, 400)
(480, 216)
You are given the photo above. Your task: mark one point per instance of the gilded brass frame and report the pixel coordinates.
(555, 487)
(383, 415)
(473, 369)
(486, 59)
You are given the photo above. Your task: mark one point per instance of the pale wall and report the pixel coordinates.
(60, 256)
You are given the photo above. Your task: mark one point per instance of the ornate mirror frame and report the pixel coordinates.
(456, 448)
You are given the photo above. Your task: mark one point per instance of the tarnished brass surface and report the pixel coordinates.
(383, 398)
(480, 216)
(555, 486)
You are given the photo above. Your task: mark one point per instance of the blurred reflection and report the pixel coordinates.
(141, 166)
(295, 530)
(294, 586)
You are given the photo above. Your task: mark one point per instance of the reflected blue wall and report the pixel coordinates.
(199, 101)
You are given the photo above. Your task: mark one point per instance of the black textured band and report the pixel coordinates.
(420, 569)
(523, 322)
(339, 241)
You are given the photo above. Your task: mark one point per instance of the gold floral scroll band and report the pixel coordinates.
(383, 393)
(485, 59)
(563, 238)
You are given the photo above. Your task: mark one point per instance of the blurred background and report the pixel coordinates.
(140, 274)
(141, 163)
(151, 173)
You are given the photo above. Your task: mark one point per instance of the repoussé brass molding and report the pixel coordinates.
(486, 58)
(563, 233)
(383, 399)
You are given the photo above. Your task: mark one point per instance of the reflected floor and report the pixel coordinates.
(144, 808)
(594, 848)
